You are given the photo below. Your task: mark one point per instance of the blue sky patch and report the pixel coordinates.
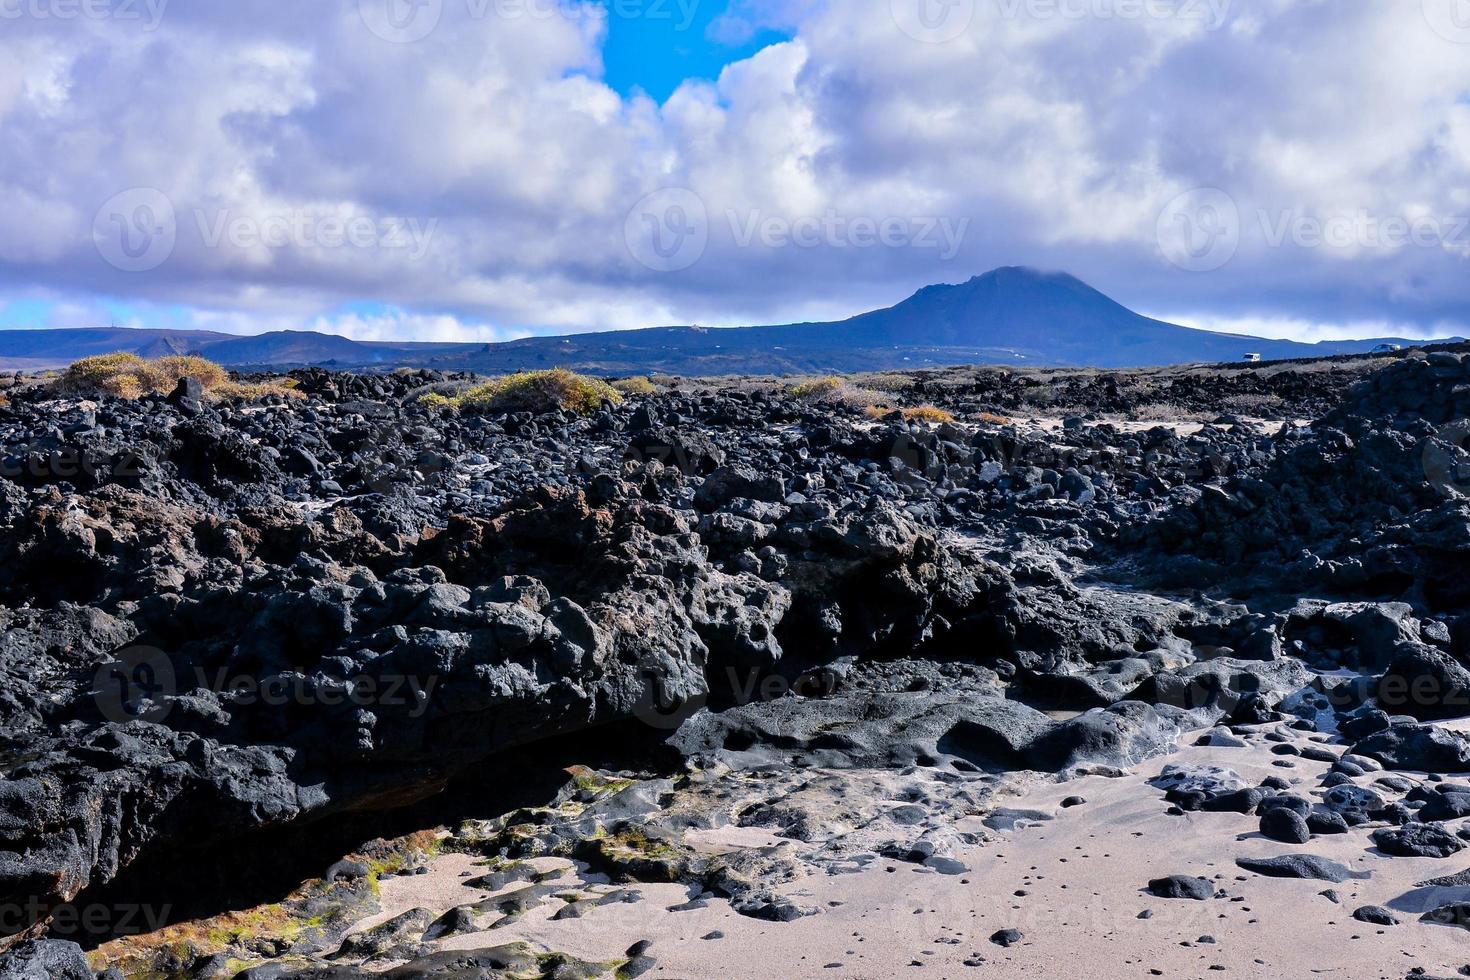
(654, 45)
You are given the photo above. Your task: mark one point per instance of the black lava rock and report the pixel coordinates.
(1285, 825)
(1182, 886)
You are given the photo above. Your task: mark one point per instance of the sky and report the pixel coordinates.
(489, 169)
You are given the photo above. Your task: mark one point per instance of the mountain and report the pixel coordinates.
(1008, 316)
(1012, 315)
(32, 350)
(43, 349)
(1052, 318)
(307, 347)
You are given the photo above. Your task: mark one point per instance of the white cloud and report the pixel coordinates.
(1059, 139)
(1310, 331)
(398, 325)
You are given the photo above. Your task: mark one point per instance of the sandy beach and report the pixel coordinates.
(1074, 886)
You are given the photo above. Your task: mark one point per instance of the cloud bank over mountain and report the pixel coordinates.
(458, 170)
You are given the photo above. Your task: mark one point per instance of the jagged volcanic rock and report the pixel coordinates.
(222, 619)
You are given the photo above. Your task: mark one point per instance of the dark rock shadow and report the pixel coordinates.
(180, 884)
(1417, 901)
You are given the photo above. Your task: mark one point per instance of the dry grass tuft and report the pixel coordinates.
(832, 390)
(864, 398)
(927, 413)
(923, 413)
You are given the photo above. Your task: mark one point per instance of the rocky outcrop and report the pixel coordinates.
(220, 620)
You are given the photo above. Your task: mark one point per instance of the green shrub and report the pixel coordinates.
(119, 375)
(165, 373)
(815, 388)
(130, 376)
(636, 386)
(435, 400)
(534, 391)
(234, 389)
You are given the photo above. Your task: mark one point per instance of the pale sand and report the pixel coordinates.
(1122, 423)
(1084, 875)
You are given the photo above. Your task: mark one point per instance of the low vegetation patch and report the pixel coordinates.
(285, 388)
(130, 376)
(636, 386)
(927, 413)
(817, 389)
(1252, 403)
(864, 398)
(922, 413)
(119, 375)
(533, 391)
(312, 914)
(832, 390)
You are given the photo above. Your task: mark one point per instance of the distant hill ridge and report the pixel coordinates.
(1012, 315)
